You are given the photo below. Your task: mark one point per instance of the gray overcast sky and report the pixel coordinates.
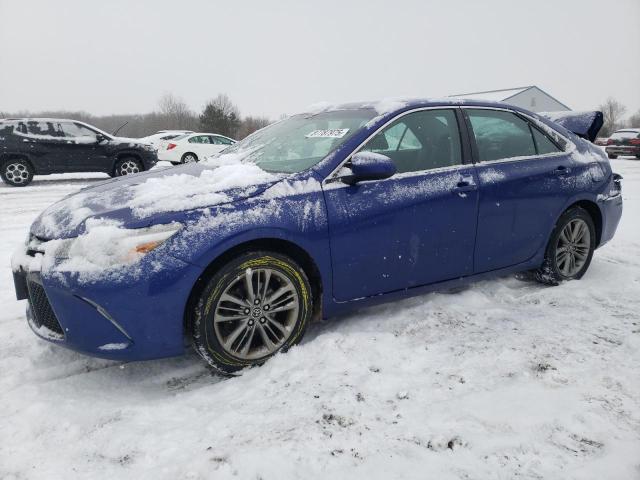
(275, 57)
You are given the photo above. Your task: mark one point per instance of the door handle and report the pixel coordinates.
(464, 186)
(561, 171)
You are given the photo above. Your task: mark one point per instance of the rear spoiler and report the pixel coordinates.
(584, 124)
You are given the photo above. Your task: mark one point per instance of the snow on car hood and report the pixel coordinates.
(137, 197)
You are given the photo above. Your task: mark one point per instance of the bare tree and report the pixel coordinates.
(176, 114)
(613, 112)
(634, 120)
(248, 125)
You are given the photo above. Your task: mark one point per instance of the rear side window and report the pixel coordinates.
(420, 141)
(44, 129)
(500, 135)
(544, 144)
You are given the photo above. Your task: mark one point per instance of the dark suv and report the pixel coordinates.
(624, 142)
(40, 146)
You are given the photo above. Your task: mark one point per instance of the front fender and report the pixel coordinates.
(298, 219)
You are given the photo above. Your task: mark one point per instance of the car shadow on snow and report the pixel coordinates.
(188, 372)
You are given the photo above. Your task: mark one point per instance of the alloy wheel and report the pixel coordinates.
(573, 247)
(189, 159)
(256, 313)
(17, 173)
(128, 167)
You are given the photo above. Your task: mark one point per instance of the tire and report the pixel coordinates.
(575, 235)
(189, 157)
(17, 172)
(127, 166)
(638, 157)
(612, 156)
(259, 332)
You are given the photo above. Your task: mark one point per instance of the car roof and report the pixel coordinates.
(389, 105)
(634, 130)
(46, 119)
(212, 134)
(40, 119)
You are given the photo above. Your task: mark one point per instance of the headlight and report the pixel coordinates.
(107, 245)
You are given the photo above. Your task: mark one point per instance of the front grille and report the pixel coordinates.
(43, 314)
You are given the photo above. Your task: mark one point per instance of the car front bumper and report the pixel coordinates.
(149, 159)
(136, 317)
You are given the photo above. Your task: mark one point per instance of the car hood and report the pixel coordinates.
(157, 196)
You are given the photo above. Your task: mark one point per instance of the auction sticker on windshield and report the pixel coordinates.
(332, 133)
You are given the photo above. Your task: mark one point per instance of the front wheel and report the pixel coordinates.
(17, 173)
(254, 307)
(570, 248)
(127, 166)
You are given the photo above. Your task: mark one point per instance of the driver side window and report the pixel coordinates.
(78, 133)
(420, 141)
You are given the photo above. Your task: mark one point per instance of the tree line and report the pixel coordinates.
(613, 112)
(219, 115)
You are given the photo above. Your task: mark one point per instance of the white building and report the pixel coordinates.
(532, 98)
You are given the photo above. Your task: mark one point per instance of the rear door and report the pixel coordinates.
(525, 180)
(44, 143)
(415, 228)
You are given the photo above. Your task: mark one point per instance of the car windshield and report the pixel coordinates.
(301, 141)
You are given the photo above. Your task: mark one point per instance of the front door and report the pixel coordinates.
(415, 228)
(83, 153)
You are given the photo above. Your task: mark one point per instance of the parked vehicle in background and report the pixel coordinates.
(317, 215)
(162, 136)
(601, 141)
(624, 142)
(193, 147)
(41, 146)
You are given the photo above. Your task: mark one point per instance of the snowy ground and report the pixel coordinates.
(506, 379)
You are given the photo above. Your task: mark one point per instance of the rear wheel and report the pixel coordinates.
(127, 166)
(17, 172)
(189, 158)
(254, 307)
(612, 156)
(570, 248)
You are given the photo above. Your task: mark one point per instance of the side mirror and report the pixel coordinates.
(369, 166)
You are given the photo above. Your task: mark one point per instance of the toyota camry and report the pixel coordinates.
(324, 212)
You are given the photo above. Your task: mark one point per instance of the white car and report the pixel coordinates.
(162, 136)
(193, 147)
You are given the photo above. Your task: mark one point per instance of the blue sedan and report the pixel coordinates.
(319, 214)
